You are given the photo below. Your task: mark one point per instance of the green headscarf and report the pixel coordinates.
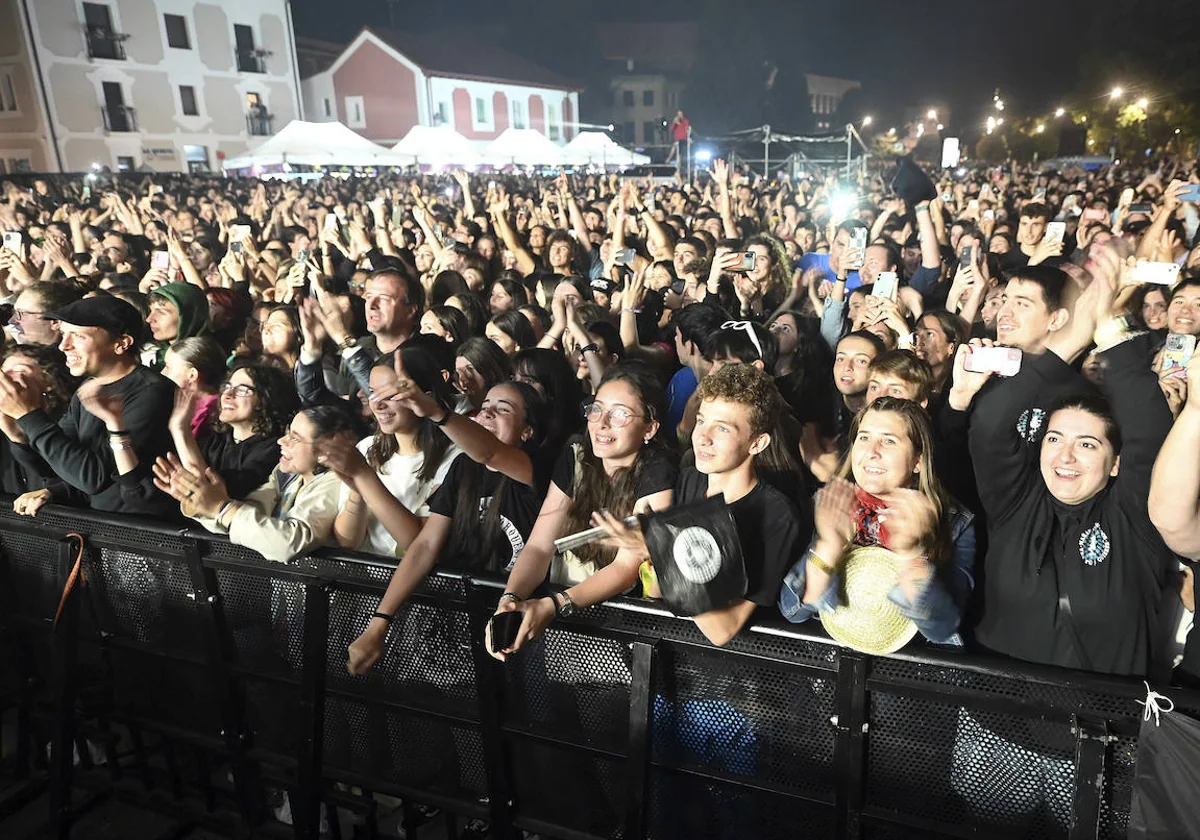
(191, 303)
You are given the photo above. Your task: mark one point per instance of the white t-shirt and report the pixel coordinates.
(399, 475)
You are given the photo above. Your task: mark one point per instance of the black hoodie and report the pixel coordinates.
(1073, 585)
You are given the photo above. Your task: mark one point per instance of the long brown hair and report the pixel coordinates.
(595, 489)
(920, 435)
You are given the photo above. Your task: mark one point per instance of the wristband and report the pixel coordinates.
(383, 615)
(119, 433)
(631, 309)
(445, 418)
(593, 348)
(117, 446)
(512, 595)
(225, 509)
(816, 560)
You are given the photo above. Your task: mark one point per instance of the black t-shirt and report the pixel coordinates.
(519, 505)
(773, 530)
(245, 466)
(659, 472)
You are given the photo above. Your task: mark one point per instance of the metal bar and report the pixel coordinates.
(306, 805)
(489, 690)
(849, 759)
(1091, 755)
(221, 653)
(65, 675)
(641, 701)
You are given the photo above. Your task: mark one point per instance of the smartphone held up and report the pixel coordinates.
(1177, 352)
(1002, 361)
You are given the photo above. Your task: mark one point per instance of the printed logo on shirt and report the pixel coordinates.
(697, 555)
(1094, 545)
(510, 530)
(1031, 424)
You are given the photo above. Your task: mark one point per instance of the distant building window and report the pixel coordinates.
(443, 114)
(177, 33)
(648, 132)
(518, 114)
(627, 98)
(187, 99)
(356, 112)
(627, 132)
(328, 107)
(124, 163)
(481, 111)
(552, 127)
(647, 97)
(8, 93)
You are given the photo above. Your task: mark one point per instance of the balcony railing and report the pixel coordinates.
(252, 61)
(119, 118)
(104, 43)
(259, 126)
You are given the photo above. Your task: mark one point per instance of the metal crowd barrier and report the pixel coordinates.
(184, 669)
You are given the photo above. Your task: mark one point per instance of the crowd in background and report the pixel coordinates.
(462, 369)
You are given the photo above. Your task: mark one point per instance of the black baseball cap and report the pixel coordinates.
(105, 311)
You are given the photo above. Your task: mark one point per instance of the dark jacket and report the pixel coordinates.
(77, 448)
(244, 466)
(1072, 585)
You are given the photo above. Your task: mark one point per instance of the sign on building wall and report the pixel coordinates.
(156, 154)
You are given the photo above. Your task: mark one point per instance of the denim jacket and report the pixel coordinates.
(939, 606)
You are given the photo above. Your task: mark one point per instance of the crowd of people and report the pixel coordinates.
(459, 369)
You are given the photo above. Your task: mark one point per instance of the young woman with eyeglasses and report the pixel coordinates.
(255, 406)
(291, 513)
(619, 466)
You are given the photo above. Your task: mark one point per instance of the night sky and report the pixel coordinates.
(1040, 53)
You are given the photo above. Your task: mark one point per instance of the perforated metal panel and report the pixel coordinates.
(404, 748)
(562, 787)
(745, 717)
(33, 566)
(689, 808)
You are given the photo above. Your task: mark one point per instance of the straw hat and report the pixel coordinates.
(866, 620)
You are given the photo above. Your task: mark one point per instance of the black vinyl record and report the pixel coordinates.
(696, 555)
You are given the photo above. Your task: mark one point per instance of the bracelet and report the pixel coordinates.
(512, 595)
(817, 561)
(225, 509)
(631, 309)
(594, 348)
(119, 433)
(117, 446)
(383, 615)
(445, 418)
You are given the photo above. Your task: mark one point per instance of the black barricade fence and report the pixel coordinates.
(197, 656)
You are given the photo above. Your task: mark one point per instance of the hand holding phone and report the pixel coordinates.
(1177, 352)
(1159, 273)
(887, 284)
(505, 627)
(1056, 231)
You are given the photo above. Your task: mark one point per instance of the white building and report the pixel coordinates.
(825, 94)
(384, 82)
(169, 85)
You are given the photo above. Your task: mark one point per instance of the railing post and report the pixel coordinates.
(489, 691)
(850, 724)
(1091, 757)
(641, 702)
(64, 646)
(306, 804)
(220, 648)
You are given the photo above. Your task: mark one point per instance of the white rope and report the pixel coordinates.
(1155, 703)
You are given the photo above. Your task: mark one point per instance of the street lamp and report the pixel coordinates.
(941, 127)
(891, 130)
(932, 114)
(991, 124)
(1000, 121)
(867, 121)
(1041, 129)
(1115, 93)
(1060, 112)
(1143, 103)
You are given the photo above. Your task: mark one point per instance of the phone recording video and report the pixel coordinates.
(1177, 352)
(1002, 361)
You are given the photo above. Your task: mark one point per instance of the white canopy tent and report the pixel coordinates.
(523, 147)
(318, 144)
(596, 148)
(438, 146)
